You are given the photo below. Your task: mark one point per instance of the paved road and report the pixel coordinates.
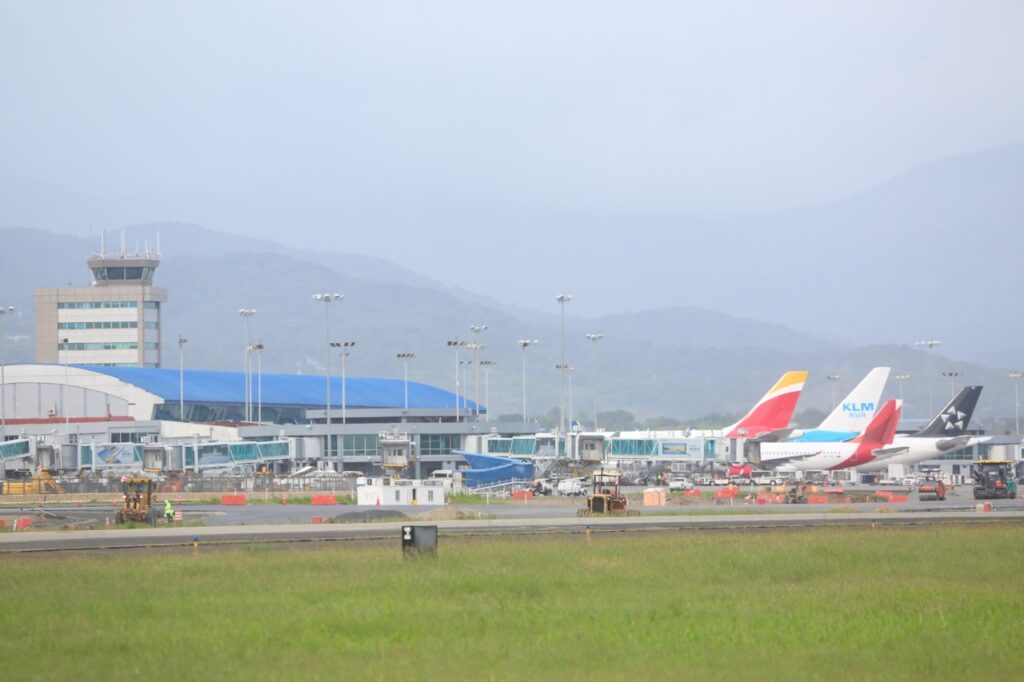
(389, 531)
(265, 514)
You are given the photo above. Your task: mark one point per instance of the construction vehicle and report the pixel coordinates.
(993, 479)
(41, 483)
(796, 492)
(931, 489)
(605, 500)
(139, 503)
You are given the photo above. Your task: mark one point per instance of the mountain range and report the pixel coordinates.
(913, 259)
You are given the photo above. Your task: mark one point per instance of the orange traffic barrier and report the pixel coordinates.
(817, 499)
(838, 490)
(318, 519)
(883, 493)
(324, 499)
(726, 493)
(233, 500)
(24, 523)
(284, 498)
(522, 495)
(691, 493)
(897, 498)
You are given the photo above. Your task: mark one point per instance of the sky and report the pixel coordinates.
(476, 142)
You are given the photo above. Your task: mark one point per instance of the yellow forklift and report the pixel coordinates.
(139, 501)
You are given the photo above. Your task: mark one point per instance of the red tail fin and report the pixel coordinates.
(882, 428)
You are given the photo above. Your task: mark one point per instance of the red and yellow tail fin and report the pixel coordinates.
(774, 410)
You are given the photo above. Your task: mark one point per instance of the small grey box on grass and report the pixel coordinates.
(418, 540)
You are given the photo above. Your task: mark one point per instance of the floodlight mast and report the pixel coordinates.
(524, 344)
(594, 338)
(327, 299)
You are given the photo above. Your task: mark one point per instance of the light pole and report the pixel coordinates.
(456, 343)
(487, 364)
(477, 329)
(181, 377)
(524, 344)
(344, 348)
(562, 299)
(833, 379)
(3, 380)
(257, 349)
(465, 399)
(1016, 376)
(929, 344)
(901, 378)
(246, 313)
(405, 358)
(951, 375)
(327, 299)
(594, 338)
(569, 371)
(63, 389)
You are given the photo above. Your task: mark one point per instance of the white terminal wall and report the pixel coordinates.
(34, 392)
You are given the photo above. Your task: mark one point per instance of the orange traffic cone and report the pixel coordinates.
(378, 500)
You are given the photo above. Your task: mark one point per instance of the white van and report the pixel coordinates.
(451, 480)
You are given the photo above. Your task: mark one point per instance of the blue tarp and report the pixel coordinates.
(291, 390)
(490, 469)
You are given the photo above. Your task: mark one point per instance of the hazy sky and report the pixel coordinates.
(430, 132)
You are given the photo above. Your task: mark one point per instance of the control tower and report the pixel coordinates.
(116, 322)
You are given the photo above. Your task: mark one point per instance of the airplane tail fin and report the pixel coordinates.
(954, 417)
(882, 429)
(773, 411)
(857, 408)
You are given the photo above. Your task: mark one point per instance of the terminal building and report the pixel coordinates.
(78, 409)
(114, 323)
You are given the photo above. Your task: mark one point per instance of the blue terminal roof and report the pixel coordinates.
(293, 390)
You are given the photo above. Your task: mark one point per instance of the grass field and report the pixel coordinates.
(829, 603)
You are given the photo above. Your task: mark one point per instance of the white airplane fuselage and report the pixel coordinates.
(815, 456)
(918, 450)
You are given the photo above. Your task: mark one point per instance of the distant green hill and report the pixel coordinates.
(682, 362)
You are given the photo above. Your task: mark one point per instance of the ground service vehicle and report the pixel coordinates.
(680, 483)
(993, 479)
(605, 500)
(796, 493)
(931, 489)
(139, 501)
(42, 482)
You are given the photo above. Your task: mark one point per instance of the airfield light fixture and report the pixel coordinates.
(245, 314)
(951, 375)
(4, 311)
(594, 338)
(456, 343)
(1016, 377)
(524, 344)
(477, 330)
(405, 358)
(833, 379)
(327, 299)
(929, 344)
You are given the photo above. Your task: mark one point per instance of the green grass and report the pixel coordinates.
(829, 603)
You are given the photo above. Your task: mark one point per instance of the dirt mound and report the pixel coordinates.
(369, 516)
(449, 513)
